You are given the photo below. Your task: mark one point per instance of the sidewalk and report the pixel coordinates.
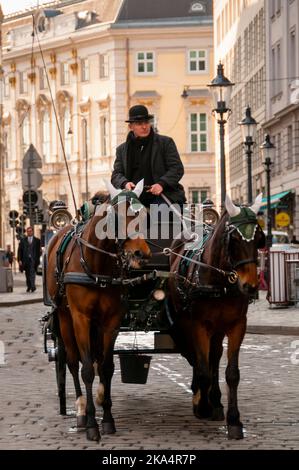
(19, 296)
(261, 318)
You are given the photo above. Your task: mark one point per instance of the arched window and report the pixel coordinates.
(25, 134)
(46, 136)
(66, 136)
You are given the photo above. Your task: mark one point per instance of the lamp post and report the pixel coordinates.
(248, 128)
(84, 125)
(268, 149)
(221, 87)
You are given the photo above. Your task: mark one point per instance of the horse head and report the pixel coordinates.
(126, 222)
(243, 238)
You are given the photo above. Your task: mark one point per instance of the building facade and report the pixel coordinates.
(257, 40)
(239, 35)
(67, 90)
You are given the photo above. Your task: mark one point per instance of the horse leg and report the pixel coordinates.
(72, 360)
(106, 370)
(82, 332)
(232, 375)
(60, 367)
(201, 377)
(216, 350)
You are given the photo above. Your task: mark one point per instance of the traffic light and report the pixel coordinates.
(38, 217)
(30, 199)
(13, 218)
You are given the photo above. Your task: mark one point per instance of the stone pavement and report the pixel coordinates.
(262, 318)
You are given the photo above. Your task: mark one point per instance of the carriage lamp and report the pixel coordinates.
(159, 294)
(248, 128)
(221, 88)
(268, 149)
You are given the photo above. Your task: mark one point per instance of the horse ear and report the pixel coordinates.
(112, 190)
(139, 187)
(231, 208)
(257, 203)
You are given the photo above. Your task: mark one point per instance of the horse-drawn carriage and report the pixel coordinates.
(194, 294)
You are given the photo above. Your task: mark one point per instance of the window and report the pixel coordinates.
(23, 82)
(198, 132)
(198, 195)
(42, 78)
(7, 146)
(290, 147)
(45, 137)
(197, 61)
(84, 70)
(6, 86)
(66, 136)
(24, 134)
(65, 74)
(278, 153)
(292, 56)
(104, 65)
(104, 135)
(145, 63)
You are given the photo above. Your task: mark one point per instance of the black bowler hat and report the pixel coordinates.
(139, 113)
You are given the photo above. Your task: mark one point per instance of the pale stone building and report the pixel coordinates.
(99, 58)
(282, 108)
(257, 40)
(239, 34)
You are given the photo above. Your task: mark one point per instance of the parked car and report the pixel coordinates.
(39, 270)
(279, 237)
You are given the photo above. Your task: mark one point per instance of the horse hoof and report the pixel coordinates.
(217, 414)
(202, 413)
(235, 432)
(93, 434)
(81, 421)
(108, 428)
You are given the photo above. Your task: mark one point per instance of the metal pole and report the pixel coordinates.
(249, 144)
(268, 164)
(86, 157)
(14, 248)
(221, 123)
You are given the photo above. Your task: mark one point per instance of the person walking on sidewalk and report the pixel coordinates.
(29, 252)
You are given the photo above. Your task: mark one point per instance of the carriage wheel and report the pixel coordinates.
(60, 368)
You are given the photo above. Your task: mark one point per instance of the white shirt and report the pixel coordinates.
(30, 240)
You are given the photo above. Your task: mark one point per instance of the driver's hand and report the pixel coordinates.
(156, 189)
(130, 186)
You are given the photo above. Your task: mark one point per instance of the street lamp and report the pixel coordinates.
(248, 128)
(220, 88)
(268, 149)
(84, 124)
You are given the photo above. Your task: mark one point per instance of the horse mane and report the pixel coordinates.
(100, 197)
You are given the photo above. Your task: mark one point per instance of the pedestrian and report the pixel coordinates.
(8, 256)
(150, 156)
(29, 252)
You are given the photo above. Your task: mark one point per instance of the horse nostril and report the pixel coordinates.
(138, 254)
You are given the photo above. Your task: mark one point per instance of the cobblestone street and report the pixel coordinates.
(157, 415)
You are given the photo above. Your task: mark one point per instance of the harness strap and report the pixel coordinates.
(232, 276)
(96, 280)
(81, 241)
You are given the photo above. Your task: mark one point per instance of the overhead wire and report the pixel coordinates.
(35, 31)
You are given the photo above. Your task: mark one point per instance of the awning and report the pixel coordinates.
(274, 199)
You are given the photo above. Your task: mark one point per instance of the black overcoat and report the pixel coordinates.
(166, 166)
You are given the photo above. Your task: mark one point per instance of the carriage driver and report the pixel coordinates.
(149, 156)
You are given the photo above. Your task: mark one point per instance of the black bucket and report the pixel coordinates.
(134, 368)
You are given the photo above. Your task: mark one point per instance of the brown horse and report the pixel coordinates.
(212, 303)
(84, 284)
